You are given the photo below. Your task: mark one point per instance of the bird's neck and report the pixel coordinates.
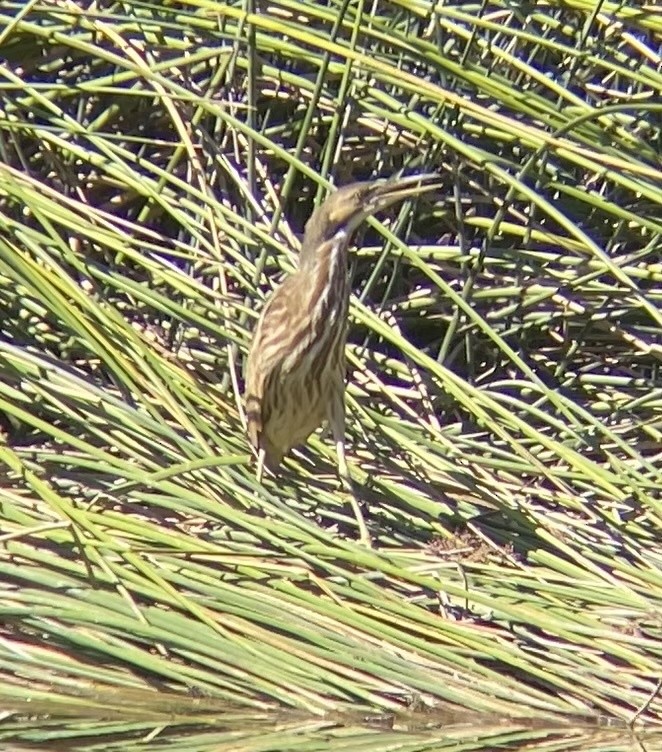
(317, 250)
(325, 276)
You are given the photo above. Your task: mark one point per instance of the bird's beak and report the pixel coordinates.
(397, 189)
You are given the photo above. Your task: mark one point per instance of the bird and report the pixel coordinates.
(295, 370)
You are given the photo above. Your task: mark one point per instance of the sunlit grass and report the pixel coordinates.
(504, 390)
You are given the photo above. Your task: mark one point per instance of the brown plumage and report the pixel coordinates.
(295, 374)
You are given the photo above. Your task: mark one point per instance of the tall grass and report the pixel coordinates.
(504, 394)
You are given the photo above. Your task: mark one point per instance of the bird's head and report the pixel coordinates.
(345, 209)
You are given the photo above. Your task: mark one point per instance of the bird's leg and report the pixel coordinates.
(259, 472)
(337, 425)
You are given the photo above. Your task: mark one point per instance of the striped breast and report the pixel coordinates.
(297, 358)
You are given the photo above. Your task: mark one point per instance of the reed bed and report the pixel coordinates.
(158, 162)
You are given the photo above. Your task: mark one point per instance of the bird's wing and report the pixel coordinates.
(279, 328)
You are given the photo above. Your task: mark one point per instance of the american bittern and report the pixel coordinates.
(295, 374)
